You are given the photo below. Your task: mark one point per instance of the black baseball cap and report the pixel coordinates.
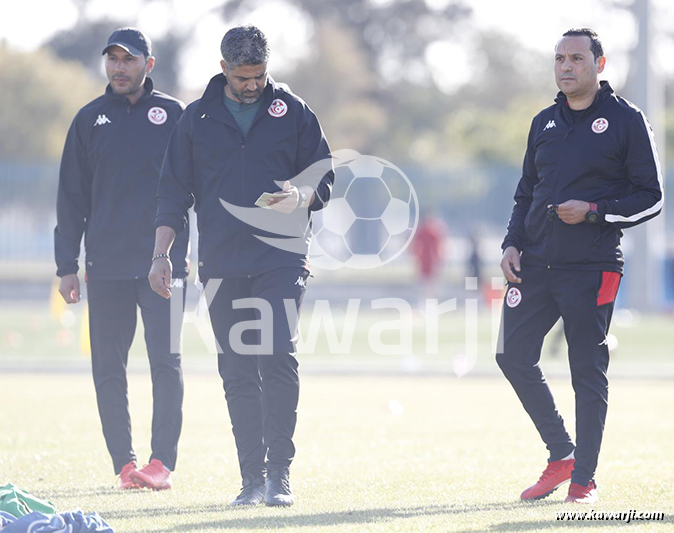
(132, 40)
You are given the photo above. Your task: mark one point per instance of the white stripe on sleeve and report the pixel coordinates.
(656, 207)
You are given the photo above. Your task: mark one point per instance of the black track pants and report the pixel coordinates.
(261, 384)
(584, 300)
(112, 324)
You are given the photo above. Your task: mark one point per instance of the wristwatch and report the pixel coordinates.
(592, 216)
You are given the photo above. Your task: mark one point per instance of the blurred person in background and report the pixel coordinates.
(107, 191)
(241, 139)
(475, 268)
(590, 170)
(474, 265)
(427, 247)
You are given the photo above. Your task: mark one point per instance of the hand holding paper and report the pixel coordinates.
(265, 197)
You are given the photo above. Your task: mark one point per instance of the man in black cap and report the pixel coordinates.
(107, 191)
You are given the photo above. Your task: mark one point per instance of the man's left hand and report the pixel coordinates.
(286, 205)
(573, 211)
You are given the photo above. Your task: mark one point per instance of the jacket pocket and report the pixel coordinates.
(575, 244)
(536, 227)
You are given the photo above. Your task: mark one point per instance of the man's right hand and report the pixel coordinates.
(510, 264)
(69, 287)
(160, 277)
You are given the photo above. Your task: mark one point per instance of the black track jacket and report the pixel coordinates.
(209, 164)
(108, 186)
(607, 157)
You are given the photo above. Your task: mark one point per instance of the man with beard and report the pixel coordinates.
(107, 191)
(247, 136)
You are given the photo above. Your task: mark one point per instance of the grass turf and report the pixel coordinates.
(374, 454)
(30, 337)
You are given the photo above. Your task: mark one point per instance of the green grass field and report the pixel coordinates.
(32, 338)
(385, 442)
(374, 454)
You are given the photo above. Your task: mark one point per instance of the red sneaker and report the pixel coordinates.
(580, 494)
(153, 476)
(556, 473)
(125, 481)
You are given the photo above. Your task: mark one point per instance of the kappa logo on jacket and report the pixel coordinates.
(102, 119)
(549, 125)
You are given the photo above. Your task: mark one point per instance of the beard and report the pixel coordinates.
(131, 85)
(247, 97)
(250, 99)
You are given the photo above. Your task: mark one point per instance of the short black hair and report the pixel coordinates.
(244, 45)
(595, 44)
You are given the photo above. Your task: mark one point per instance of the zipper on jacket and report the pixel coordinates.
(243, 167)
(554, 221)
(243, 176)
(567, 115)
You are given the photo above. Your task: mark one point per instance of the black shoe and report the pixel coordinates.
(278, 491)
(252, 492)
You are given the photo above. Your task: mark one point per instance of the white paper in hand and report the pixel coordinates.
(266, 196)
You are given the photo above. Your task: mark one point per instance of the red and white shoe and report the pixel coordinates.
(154, 476)
(581, 494)
(555, 474)
(125, 481)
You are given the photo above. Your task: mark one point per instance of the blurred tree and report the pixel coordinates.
(368, 79)
(476, 134)
(85, 41)
(392, 33)
(486, 121)
(167, 50)
(508, 71)
(338, 84)
(491, 115)
(41, 94)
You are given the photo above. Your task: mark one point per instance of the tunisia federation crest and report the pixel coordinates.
(514, 297)
(157, 115)
(278, 108)
(600, 125)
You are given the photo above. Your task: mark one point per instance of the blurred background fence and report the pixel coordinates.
(443, 89)
(472, 201)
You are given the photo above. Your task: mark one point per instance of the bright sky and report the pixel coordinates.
(533, 22)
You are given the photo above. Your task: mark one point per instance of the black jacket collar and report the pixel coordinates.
(604, 90)
(213, 105)
(149, 89)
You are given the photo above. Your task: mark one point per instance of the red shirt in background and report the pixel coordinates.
(427, 245)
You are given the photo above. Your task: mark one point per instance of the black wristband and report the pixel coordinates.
(159, 256)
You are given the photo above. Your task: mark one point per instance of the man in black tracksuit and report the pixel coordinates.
(590, 170)
(107, 191)
(248, 135)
